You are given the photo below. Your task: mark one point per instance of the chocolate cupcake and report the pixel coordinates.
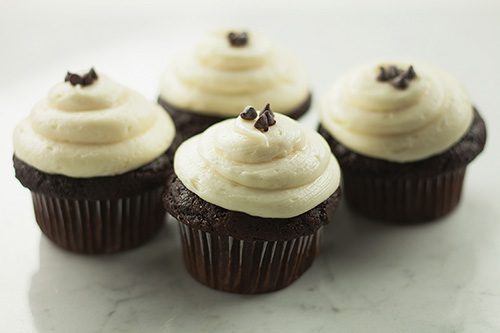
(95, 156)
(403, 136)
(251, 195)
(225, 71)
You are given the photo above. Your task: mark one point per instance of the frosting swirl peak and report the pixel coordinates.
(99, 129)
(280, 173)
(421, 119)
(217, 78)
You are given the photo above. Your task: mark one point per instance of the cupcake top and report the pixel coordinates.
(397, 112)
(228, 69)
(90, 126)
(265, 165)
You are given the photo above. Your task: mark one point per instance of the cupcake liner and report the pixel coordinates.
(404, 199)
(99, 226)
(246, 267)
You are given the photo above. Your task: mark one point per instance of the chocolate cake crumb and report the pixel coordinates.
(190, 209)
(456, 157)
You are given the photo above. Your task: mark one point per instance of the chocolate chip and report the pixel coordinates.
(392, 72)
(249, 113)
(389, 73)
(270, 118)
(74, 79)
(85, 80)
(269, 114)
(261, 124)
(382, 76)
(399, 79)
(237, 39)
(400, 82)
(92, 73)
(266, 118)
(410, 73)
(268, 108)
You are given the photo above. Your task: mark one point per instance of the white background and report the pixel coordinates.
(437, 277)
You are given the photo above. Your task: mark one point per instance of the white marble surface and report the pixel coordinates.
(439, 277)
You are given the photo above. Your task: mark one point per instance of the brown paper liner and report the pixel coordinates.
(246, 267)
(404, 199)
(99, 226)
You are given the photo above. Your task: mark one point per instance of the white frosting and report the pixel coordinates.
(218, 79)
(280, 173)
(375, 119)
(98, 130)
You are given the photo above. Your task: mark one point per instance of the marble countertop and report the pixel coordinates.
(370, 277)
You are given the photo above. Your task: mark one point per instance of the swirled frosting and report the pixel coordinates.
(378, 120)
(216, 78)
(102, 129)
(280, 173)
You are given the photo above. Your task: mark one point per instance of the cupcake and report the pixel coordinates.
(251, 195)
(95, 156)
(404, 135)
(225, 71)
